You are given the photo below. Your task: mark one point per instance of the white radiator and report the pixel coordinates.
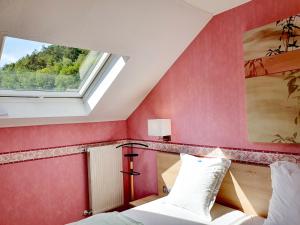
(105, 178)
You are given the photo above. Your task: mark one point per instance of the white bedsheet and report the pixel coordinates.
(111, 218)
(160, 213)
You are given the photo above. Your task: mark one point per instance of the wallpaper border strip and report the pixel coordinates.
(248, 156)
(45, 153)
(235, 154)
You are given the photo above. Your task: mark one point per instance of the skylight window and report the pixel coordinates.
(36, 69)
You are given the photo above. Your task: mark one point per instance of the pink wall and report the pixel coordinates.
(49, 191)
(204, 91)
(34, 137)
(145, 163)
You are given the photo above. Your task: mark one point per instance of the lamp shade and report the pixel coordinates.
(159, 127)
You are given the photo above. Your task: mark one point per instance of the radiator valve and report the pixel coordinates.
(88, 212)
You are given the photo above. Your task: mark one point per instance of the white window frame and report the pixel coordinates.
(18, 104)
(47, 107)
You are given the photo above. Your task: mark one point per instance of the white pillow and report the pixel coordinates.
(284, 206)
(197, 184)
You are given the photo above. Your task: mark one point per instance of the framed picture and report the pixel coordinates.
(272, 73)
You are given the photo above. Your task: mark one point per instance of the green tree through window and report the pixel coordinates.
(53, 68)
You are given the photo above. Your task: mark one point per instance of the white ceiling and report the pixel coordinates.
(152, 33)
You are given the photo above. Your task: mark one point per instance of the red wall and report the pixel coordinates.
(203, 93)
(146, 183)
(34, 137)
(49, 191)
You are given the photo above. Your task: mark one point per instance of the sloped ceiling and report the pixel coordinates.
(152, 33)
(216, 6)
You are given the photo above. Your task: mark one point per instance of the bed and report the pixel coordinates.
(159, 212)
(245, 187)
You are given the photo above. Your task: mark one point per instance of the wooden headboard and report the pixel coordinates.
(245, 187)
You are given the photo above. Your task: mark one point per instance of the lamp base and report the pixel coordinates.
(166, 138)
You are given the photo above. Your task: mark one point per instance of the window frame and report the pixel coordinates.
(94, 73)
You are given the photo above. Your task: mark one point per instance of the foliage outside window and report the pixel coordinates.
(52, 68)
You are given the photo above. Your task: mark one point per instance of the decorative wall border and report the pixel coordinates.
(35, 154)
(249, 156)
(235, 154)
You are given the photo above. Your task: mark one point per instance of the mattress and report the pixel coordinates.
(160, 213)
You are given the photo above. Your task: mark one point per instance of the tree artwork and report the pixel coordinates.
(272, 72)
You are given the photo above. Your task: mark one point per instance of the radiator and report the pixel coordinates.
(105, 178)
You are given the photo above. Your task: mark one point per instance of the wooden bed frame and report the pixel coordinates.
(245, 187)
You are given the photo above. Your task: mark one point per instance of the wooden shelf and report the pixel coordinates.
(142, 201)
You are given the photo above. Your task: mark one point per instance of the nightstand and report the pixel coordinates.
(142, 201)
